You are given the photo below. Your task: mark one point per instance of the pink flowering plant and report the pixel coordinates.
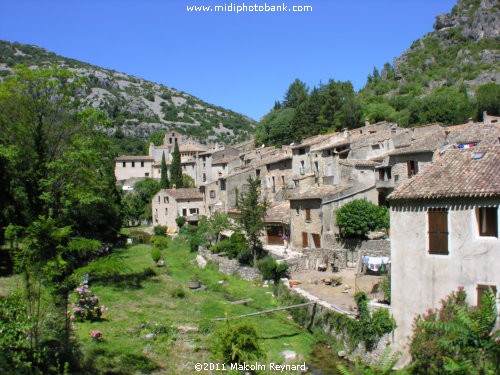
(87, 305)
(96, 335)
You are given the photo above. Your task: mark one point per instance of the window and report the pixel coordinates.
(438, 231)
(142, 164)
(302, 151)
(165, 199)
(257, 173)
(212, 193)
(204, 177)
(146, 174)
(184, 212)
(376, 147)
(308, 214)
(412, 167)
(166, 211)
(481, 291)
(193, 211)
(297, 211)
(133, 164)
(159, 199)
(487, 220)
(317, 240)
(124, 164)
(305, 240)
(223, 184)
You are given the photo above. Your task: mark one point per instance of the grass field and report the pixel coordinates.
(146, 306)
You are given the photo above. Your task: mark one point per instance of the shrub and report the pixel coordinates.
(87, 305)
(271, 269)
(155, 254)
(96, 335)
(237, 343)
(358, 217)
(178, 293)
(139, 236)
(385, 287)
(160, 230)
(456, 337)
(180, 221)
(160, 242)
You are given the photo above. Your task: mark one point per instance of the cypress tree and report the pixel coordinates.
(175, 167)
(164, 183)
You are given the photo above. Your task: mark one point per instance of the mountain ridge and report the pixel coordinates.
(136, 106)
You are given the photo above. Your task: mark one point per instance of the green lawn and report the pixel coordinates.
(139, 297)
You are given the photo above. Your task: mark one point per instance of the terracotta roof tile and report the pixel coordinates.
(278, 213)
(135, 158)
(456, 174)
(185, 193)
(320, 192)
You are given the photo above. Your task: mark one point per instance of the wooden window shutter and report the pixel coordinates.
(317, 240)
(305, 242)
(308, 214)
(438, 231)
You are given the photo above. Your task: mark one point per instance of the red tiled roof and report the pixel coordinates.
(456, 174)
(319, 192)
(185, 193)
(135, 158)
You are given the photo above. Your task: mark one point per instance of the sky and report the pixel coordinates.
(242, 61)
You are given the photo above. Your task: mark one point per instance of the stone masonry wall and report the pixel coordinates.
(344, 254)
(230, 266)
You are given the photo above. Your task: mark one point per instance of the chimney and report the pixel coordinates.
(485, 118)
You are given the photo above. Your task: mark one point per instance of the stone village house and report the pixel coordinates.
(445, 234)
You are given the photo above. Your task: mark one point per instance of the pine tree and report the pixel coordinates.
(164, 182)
(175, 168)
(251, 220)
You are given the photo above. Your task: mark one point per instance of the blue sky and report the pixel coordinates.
(242, 61)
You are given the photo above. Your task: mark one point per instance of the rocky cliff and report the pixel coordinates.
(136, 106)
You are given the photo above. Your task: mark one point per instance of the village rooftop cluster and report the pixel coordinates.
(442, 184)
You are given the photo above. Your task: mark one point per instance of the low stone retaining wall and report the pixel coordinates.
(230, 266)
(344, 254)
(318, 314)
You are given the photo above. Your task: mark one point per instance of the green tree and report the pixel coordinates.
(164, 182)
(457, 338)
(54, 161)
(446, 104)
(251, 219)
(296, 94)
(187, 181)
(275, 128)
(488, 99)
(356, 218)
(176, 168)
(157, 137)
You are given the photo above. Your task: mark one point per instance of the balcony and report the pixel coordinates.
(385, 184)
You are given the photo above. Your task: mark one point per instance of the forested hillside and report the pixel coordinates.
(447, 76)
(136, 107)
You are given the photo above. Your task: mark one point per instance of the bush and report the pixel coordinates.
(140, 237)
(356, 218)
(87, 305)
(271, 269)
(456, 337)
(160, 230)
(160, 242)
(155, 254)
(180, 221)
(178, 293)
(237, 343)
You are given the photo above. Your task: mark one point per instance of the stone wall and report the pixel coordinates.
(344, 254)
(317, 314)
(230, 266)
